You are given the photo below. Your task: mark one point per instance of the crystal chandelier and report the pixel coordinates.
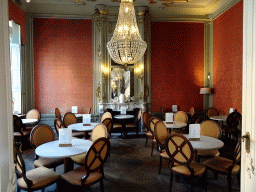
(126, 45)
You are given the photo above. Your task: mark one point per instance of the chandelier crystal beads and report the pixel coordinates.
(126, 46)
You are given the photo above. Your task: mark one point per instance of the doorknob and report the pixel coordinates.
(246, 137)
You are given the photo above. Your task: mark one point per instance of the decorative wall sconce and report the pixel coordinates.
(139, 72)
(104, 72)
(205, 91)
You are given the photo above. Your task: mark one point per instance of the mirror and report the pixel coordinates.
(122, 82)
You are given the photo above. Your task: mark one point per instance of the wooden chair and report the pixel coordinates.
(20, 133)
(192, 111)
(160, 132)
(98, 131)
(224, 166)
(58, 125)
(180, 116)
(162, 113)
(146, 116)
(33, 114)
(57, 113)
(69, 119)
(92, 170)
(152, 122)
(181, 153)
(39, 135)
(108, 122)
(209, 128)
(232, 122)
(35, 179)
(212, 112)
(135, 124)
(105, 116)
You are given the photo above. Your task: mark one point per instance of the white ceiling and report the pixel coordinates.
(197, 8)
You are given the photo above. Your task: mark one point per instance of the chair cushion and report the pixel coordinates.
(40, 177)
(79, 159)
(221, 164)
(149, 134)
(213, 153)
(132, 125)
(164, 155)
(79, 134)
(198, 168)
(74, 176)
(117, 125)
(48, 162)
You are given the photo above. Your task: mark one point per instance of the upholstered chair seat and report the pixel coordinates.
(40, 177)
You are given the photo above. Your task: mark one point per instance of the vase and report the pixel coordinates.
(122, 98)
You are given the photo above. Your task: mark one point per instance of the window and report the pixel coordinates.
(15, 52)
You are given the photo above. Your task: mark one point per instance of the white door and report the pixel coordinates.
(248, 164)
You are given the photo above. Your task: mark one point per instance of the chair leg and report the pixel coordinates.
(18, 189)
(171, 178)
(152, 148)
(238, 178)
(229, 182)
(43, 190)
(101, 185)
(160, 165)
(146, 141)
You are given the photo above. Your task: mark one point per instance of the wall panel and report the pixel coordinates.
(63, 64)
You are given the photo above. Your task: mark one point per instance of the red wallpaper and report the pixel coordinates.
(177, 64)
(63, 64)
(19, 17)
(227, 60)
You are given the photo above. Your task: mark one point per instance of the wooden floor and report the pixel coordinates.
(131, 168)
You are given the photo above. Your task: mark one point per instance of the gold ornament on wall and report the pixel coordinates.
(98, 92)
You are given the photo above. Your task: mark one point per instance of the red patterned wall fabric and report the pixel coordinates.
(227, 59)
(177, 64)
(63, 64)
(19, 17)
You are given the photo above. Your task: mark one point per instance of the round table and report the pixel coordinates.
(219, 118)
(175, 125)
(52, 150)
(206, 143)
(29, 121)
(123, 119)
(82, 127)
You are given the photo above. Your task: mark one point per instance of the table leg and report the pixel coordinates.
(68, 164)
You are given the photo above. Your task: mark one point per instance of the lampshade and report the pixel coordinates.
(205, 91)
(126, 46)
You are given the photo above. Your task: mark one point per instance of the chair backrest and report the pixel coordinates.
(20, 167)
(18, 126)
(152, 122)
(146, 116)
(181, 116)
(108, 123)
(41, 134)
(212, 112)
(97, 155)
(233, 119)
(161, 132)
(57, 113)
(139, 115)
(98, 131)
(69, 118)
(237, 152)
(58, 125)
(105, 116)
(179, 149)
(192, 111)
(33, 114)
(210, 128)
